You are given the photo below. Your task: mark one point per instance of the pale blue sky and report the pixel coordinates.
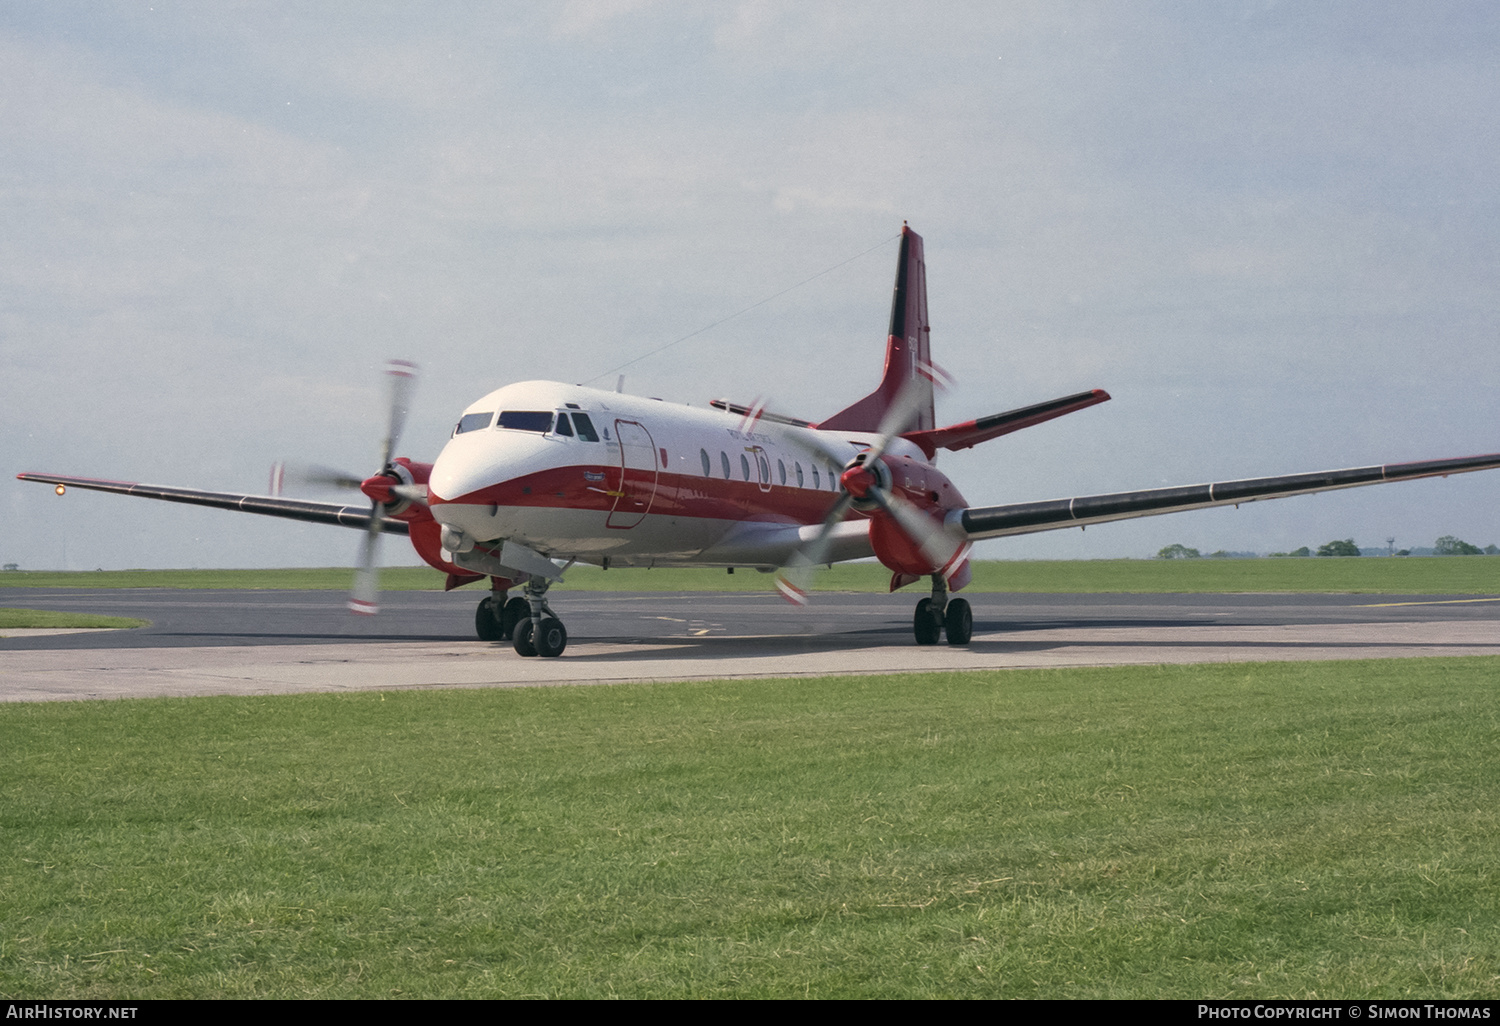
(1270, 230)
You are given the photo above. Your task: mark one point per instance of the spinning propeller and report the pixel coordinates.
(867, 484)
(386, 488)
(383, 488)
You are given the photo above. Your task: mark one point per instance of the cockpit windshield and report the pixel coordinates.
(585, 427)
(473, 422)
(539, 421)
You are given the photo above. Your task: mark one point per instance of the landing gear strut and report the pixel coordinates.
(940, 614)
(538, 632)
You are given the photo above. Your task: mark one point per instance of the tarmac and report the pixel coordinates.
(269, 643)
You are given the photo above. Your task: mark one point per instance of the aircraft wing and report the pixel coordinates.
(272, 506)
(1052, 514)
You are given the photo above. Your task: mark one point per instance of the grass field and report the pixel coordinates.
(1230, 830)
(47, 618)
(1451, 575)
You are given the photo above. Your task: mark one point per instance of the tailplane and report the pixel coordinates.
(907, 354)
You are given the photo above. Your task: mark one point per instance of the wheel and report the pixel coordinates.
(521, 639)
(487, 624)
(514, 612)
(927, 627)
(959, 622)
(552, 639)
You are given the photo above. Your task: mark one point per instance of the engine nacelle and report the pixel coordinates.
(930, 495)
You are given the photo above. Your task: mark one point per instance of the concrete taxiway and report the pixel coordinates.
(282, 642)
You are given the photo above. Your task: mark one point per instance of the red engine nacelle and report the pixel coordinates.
(932, 496)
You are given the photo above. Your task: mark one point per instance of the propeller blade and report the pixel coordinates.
(402, 377)
(941, 549)
(795, 580)
(364, 597)
(294, 476)
(411, 493)
(908, 401)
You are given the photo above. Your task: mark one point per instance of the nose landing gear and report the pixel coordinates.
(940, 614)
(538, 632)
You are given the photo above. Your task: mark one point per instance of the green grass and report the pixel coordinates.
(15, 618)
(1229, 830)
(1450, 575)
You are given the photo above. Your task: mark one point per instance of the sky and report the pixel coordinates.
(1269, 230)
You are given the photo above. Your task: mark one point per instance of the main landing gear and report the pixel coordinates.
(496, 619)
(940, 614)
(527, 623)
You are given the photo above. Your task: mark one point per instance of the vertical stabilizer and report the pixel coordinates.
(906, 348)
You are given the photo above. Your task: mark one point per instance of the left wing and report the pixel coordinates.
(357, 517)
(1031, 517)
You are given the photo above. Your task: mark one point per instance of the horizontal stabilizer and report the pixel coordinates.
(972, 432)
(357, 517)
(1032, 517)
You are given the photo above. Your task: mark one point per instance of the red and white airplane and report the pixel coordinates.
(539, 474)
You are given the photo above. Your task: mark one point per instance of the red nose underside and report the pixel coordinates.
(378, 488)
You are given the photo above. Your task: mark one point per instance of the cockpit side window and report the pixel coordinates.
(585, 427)
(539, 421)
(474, 422)
(564, 426)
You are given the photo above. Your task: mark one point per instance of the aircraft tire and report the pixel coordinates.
(927, 627)
(958, 622)
(487, 624)
(553, 638)
(521, 639)
(514, 612)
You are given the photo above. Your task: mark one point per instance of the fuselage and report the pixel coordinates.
(613, 479)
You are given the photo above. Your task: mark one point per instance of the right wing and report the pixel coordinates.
(1031, 517)
(357, 517)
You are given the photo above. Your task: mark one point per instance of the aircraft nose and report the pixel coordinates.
(458, 481)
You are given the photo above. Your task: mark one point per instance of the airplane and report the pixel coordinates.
(539, 475)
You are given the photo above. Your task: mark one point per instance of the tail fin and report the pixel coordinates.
(906, 348)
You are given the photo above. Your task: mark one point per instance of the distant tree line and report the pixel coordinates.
(1447, 545)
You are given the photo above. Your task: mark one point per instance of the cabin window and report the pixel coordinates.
(708, 468)
(474, 422)
(585, 427)
(798, 467)
(724, 460)
(833, 478)
(663, 458)
(564, 426)
(539, 421)
(816, 482)
(744, 467)
(781, 469)
(765, 469)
